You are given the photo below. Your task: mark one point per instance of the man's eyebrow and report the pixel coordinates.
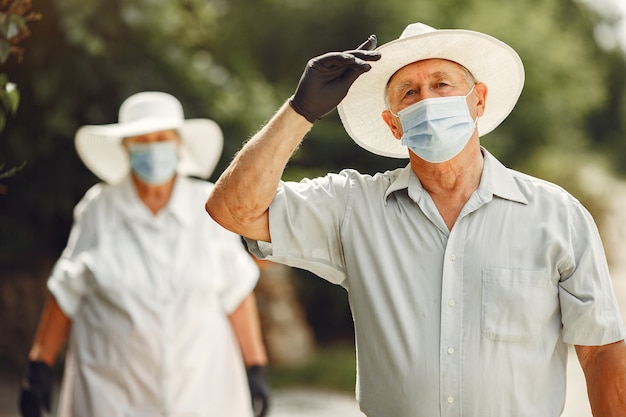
(437, 75)
(403, 85)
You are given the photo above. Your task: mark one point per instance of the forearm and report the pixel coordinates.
(247, 328)
(52, 332)
(605, 374)
(244, 192)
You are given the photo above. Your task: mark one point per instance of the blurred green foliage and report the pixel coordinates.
(14, 18)
(9, 100)
(333, 367)
(237, 61)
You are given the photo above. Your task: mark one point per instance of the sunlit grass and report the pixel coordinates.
(332, 368)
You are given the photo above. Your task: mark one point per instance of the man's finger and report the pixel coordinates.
(369, 44)
(366, 55)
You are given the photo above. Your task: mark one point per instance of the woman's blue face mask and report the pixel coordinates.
(154, 162)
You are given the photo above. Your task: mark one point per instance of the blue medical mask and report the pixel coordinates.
(437, 129)
(154, 162)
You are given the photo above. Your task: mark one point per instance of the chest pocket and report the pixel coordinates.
(516, 304)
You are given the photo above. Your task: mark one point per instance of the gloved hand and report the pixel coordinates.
(36, 390)
(327, 79)
(259, 390)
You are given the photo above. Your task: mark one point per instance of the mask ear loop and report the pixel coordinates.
(467, 95)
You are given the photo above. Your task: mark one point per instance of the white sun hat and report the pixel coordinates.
(488, 59)
(100, 146)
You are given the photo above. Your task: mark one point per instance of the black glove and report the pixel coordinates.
(327, 79)
(36, 390)
(259, 390)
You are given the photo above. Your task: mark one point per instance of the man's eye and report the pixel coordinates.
(410, 92)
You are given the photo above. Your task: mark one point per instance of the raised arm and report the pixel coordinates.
(242, 195)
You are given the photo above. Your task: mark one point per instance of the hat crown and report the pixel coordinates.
(150, 104)
(490, 61)
(415, 29)
(100, 146)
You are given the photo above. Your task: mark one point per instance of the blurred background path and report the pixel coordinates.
(303, 402)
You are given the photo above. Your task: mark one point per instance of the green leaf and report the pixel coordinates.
(11, 172)
(4, 25)
(13, 29)
(4, 50)
(9, 100)
(12, 95)
(16, 24)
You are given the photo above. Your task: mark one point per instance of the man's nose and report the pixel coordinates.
(426, 92)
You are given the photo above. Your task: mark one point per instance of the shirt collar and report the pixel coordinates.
(182, 198)
(179, 201)
(496, 180)
(401, 182)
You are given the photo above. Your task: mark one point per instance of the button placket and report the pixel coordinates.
(168, 360)
(452, 321)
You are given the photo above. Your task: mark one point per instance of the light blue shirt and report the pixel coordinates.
(471, 322)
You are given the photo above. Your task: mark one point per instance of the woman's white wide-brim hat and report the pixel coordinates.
(101, 150)
(490, 61)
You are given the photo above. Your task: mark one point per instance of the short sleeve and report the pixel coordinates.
(70, 277)
(590, 313)
(305, 226)
(239, 271)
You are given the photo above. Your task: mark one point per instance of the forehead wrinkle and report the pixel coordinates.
(440, 74)
(437, 75)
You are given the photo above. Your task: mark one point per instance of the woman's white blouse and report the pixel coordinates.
(149, 298)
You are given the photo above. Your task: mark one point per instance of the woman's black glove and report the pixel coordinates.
(327, 79)
(259, 390)
(36, 390)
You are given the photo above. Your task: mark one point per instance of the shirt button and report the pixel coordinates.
(450, 351)
(450, 400)
(452, 257)
(451, 303)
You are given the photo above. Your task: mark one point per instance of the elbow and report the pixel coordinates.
(215, 211)
(225, 215)
(238, 216)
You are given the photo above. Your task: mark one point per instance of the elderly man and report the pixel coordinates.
(466, 280)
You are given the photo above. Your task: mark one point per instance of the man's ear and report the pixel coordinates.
(481, 94)
(394, 124)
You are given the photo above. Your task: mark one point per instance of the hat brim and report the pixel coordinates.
(490, 60)
(101, 150)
